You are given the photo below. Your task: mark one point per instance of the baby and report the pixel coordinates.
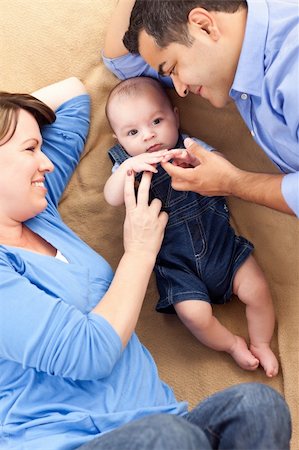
(201, 261)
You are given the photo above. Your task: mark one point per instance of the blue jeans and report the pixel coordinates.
(245, 417)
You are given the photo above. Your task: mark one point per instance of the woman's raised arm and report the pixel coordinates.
(56, 94)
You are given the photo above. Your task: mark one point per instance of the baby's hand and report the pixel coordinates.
(180, 157)
(146, 161)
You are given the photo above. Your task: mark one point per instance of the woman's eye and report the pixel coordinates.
(156, 121)
(132, 132)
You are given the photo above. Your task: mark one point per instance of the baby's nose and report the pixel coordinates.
(148, 134)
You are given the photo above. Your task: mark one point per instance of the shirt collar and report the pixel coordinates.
(250, 71)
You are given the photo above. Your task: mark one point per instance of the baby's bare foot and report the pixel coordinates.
(266, 357)
(242, 355)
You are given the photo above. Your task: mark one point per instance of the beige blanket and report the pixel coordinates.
(43, 41)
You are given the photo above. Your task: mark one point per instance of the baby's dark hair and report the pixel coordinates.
(10, 105)
(132, 87)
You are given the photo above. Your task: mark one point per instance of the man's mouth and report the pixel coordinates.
(197, 90)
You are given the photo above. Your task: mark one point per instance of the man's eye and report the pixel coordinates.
(132, 132)
(157, 121)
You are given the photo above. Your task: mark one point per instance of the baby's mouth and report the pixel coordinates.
(154, 148)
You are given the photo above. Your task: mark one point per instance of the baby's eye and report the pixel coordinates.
(157, 121)
(132, 132)
(30, 149)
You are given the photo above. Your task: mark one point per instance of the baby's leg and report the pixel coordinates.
(198, 317)
(252, 289)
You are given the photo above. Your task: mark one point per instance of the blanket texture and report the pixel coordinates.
(44, 41)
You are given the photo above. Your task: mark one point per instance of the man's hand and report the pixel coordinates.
(212, 174)
(181, 158)
(201, 171)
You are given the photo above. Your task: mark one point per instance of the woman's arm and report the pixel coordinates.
(41, 330)
(119, 23)
(58, 93)
(64, 139)
(143, 234)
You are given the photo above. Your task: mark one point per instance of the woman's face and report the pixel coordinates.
(22, 171)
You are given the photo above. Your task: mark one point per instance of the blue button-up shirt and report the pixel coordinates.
(266, 84)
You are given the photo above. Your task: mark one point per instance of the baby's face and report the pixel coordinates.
(144, 122)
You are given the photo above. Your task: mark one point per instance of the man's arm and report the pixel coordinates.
(214, 175)
(113, 46)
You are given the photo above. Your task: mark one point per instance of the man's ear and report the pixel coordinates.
(199, 19)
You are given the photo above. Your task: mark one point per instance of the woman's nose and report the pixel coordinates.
(46, 164)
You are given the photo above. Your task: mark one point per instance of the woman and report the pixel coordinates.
(71, 366)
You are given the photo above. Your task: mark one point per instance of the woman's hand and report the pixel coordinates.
(143, 233)
(144, 224)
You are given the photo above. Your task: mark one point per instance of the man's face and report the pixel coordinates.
(206, 68)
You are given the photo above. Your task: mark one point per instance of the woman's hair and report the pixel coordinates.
(10, 105)
(166, 20)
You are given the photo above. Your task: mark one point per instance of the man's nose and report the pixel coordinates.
(181, 88)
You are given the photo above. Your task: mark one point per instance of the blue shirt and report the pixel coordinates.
(64, 377)
(266, 85)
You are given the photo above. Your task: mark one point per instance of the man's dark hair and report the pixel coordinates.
(166, 20)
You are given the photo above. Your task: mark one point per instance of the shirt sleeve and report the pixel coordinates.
(133, 65)
(63, 142)
(41, 331)
(206, 146)
(290, 191)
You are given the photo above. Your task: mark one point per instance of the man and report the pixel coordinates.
(245, 51)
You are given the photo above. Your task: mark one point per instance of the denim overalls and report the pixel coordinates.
(200, 253)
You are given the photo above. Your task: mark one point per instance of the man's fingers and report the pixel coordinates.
(181, 178)
(176, 171)
(194, 148)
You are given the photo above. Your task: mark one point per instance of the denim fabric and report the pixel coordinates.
(200, 253)
(244, 417)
